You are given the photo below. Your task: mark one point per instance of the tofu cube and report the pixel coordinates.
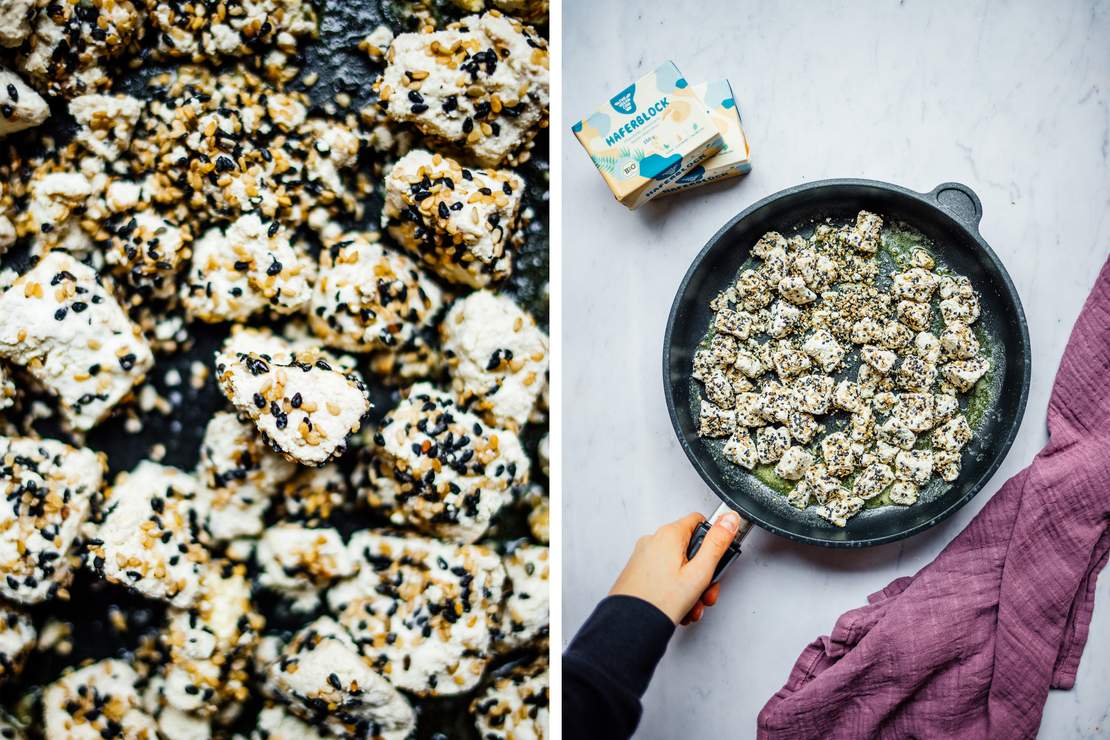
(880, 359)
(916, 284)
(916, 374)
(736, 323)
(861, 425)
(960, 309)
(741, 450)
(753, 291)
(715, 421)
(927, 347)
(894, 431)
(824, 349)
(847, 396)
(958, 341)
(944, 407)
(836, 451)
(903, 493)
(964, 374)
(946, 464)
(802, 427)
(794, 289)
(915, 410)
(749, 364)
(747, 410)
(952, 435)
(814, 393)
(718, 389)
(914, 315)
(771, 443)
(793, 463)
(769, 241)
(784, 319)
(872, 481)
(915, 466)
(790, 363)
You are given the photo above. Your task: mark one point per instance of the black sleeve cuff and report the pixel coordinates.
(624, 638)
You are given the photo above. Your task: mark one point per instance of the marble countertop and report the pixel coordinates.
(1012, 100)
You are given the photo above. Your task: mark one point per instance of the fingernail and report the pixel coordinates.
(730, 521)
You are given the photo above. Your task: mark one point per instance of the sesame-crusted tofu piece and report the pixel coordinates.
(17, 638)
(883, 401)
(946, 463)
(314, 495)
(276, 723)
(368, 297)
(813, 393)
(903, 493)
(749, 364)
(802, 426)
(914, 315)
(147, 251)
(718, 389)
(770, 443)
(515, 705)
(741, 450)
(23, 107)
(769, 241)
(861, 425)
(15, 22)
(97, 701)
(703, 364)
(210, 645)
(776, 401)
(824, 349)
(836, 451)
(944, 407)
(456, 221)
(304, 407)
(818, 271)
(497, 357)
(799, 496)
(866, 331)
(65, 327)
(881, 359)
(753, 291)
(748, 410)
(960, 309)
(952, 435)
(927, 347)
(323, 679)
(896, 336)
(736, 323)
(847, 396)
(868, 226)
(481, 83)
(239, 474)
(964, 374)
(424, 612)
(525, 618)
(789, 362)
(793, 289)
(793, 463)
(872, 481)
(47, 491)
(915, 466)
(737, 379)
(774, 267)
(105, 125)
(822, 486)
(837, 510)
(715, 421)
(299, 562)
(916, 374)
(784, 319)
(250, 268)
(440, 469)
(896, 432)
(149, 534)
(958, 341)
(916, 284)
(722, 350)
(915, 410)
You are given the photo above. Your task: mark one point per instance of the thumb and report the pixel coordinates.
(716, 541)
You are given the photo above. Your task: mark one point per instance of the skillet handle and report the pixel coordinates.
(958, 201)
(733, 549)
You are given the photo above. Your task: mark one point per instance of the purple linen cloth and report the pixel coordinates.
(970, 646)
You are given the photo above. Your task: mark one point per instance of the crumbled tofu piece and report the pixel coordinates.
(915, 410)
(515, 706)
(794, 289)
(799, 496)
(497, 357)
(275, 723)
(149, 534)
(916, 316)
(106, 124)
(872, 481)
(97, 701)
(736, 323)
(37, 539)
(790, 363)
(916, 284)
(753, 291)
(903, 493)
(368, 297)
(147, 251)
(440, 469)
(960, 309)
(915, 466)
(814, 393)
(947, 464)
(457, 221)
(958, 341)
(802, 426)
(839, 509)
(749, 364)
(298, 562)
(952, 435)
(424, 611)
(881, 359)
(866, 236)
(715, 421)
(61, 323)
(861, 425)
(793, 463)
(784, 319)
(489, 95)
(768, 242)
(916, 374)
(741, 450)
(847, 397)
(748, 410)
(525, 618)
(928, 347)
(23, 107)
(15, 21)
(718, 389)
(944, 407)
(883, 402)
(250, 268)
(211, 644)
(964, 374)
(824, 349)
(771, 443)
(304, 407)
(323, 679)
(896, 432)
(836, 451)
(239, 476)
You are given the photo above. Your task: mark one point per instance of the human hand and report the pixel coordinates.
(659, 573)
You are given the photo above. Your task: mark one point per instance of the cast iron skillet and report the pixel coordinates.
(949, 216)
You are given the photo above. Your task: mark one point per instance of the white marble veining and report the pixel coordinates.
(1012, 99)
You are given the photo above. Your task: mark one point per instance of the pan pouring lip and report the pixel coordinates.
(948, 216)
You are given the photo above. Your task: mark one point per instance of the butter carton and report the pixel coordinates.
(648, 135)
(734, 159)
